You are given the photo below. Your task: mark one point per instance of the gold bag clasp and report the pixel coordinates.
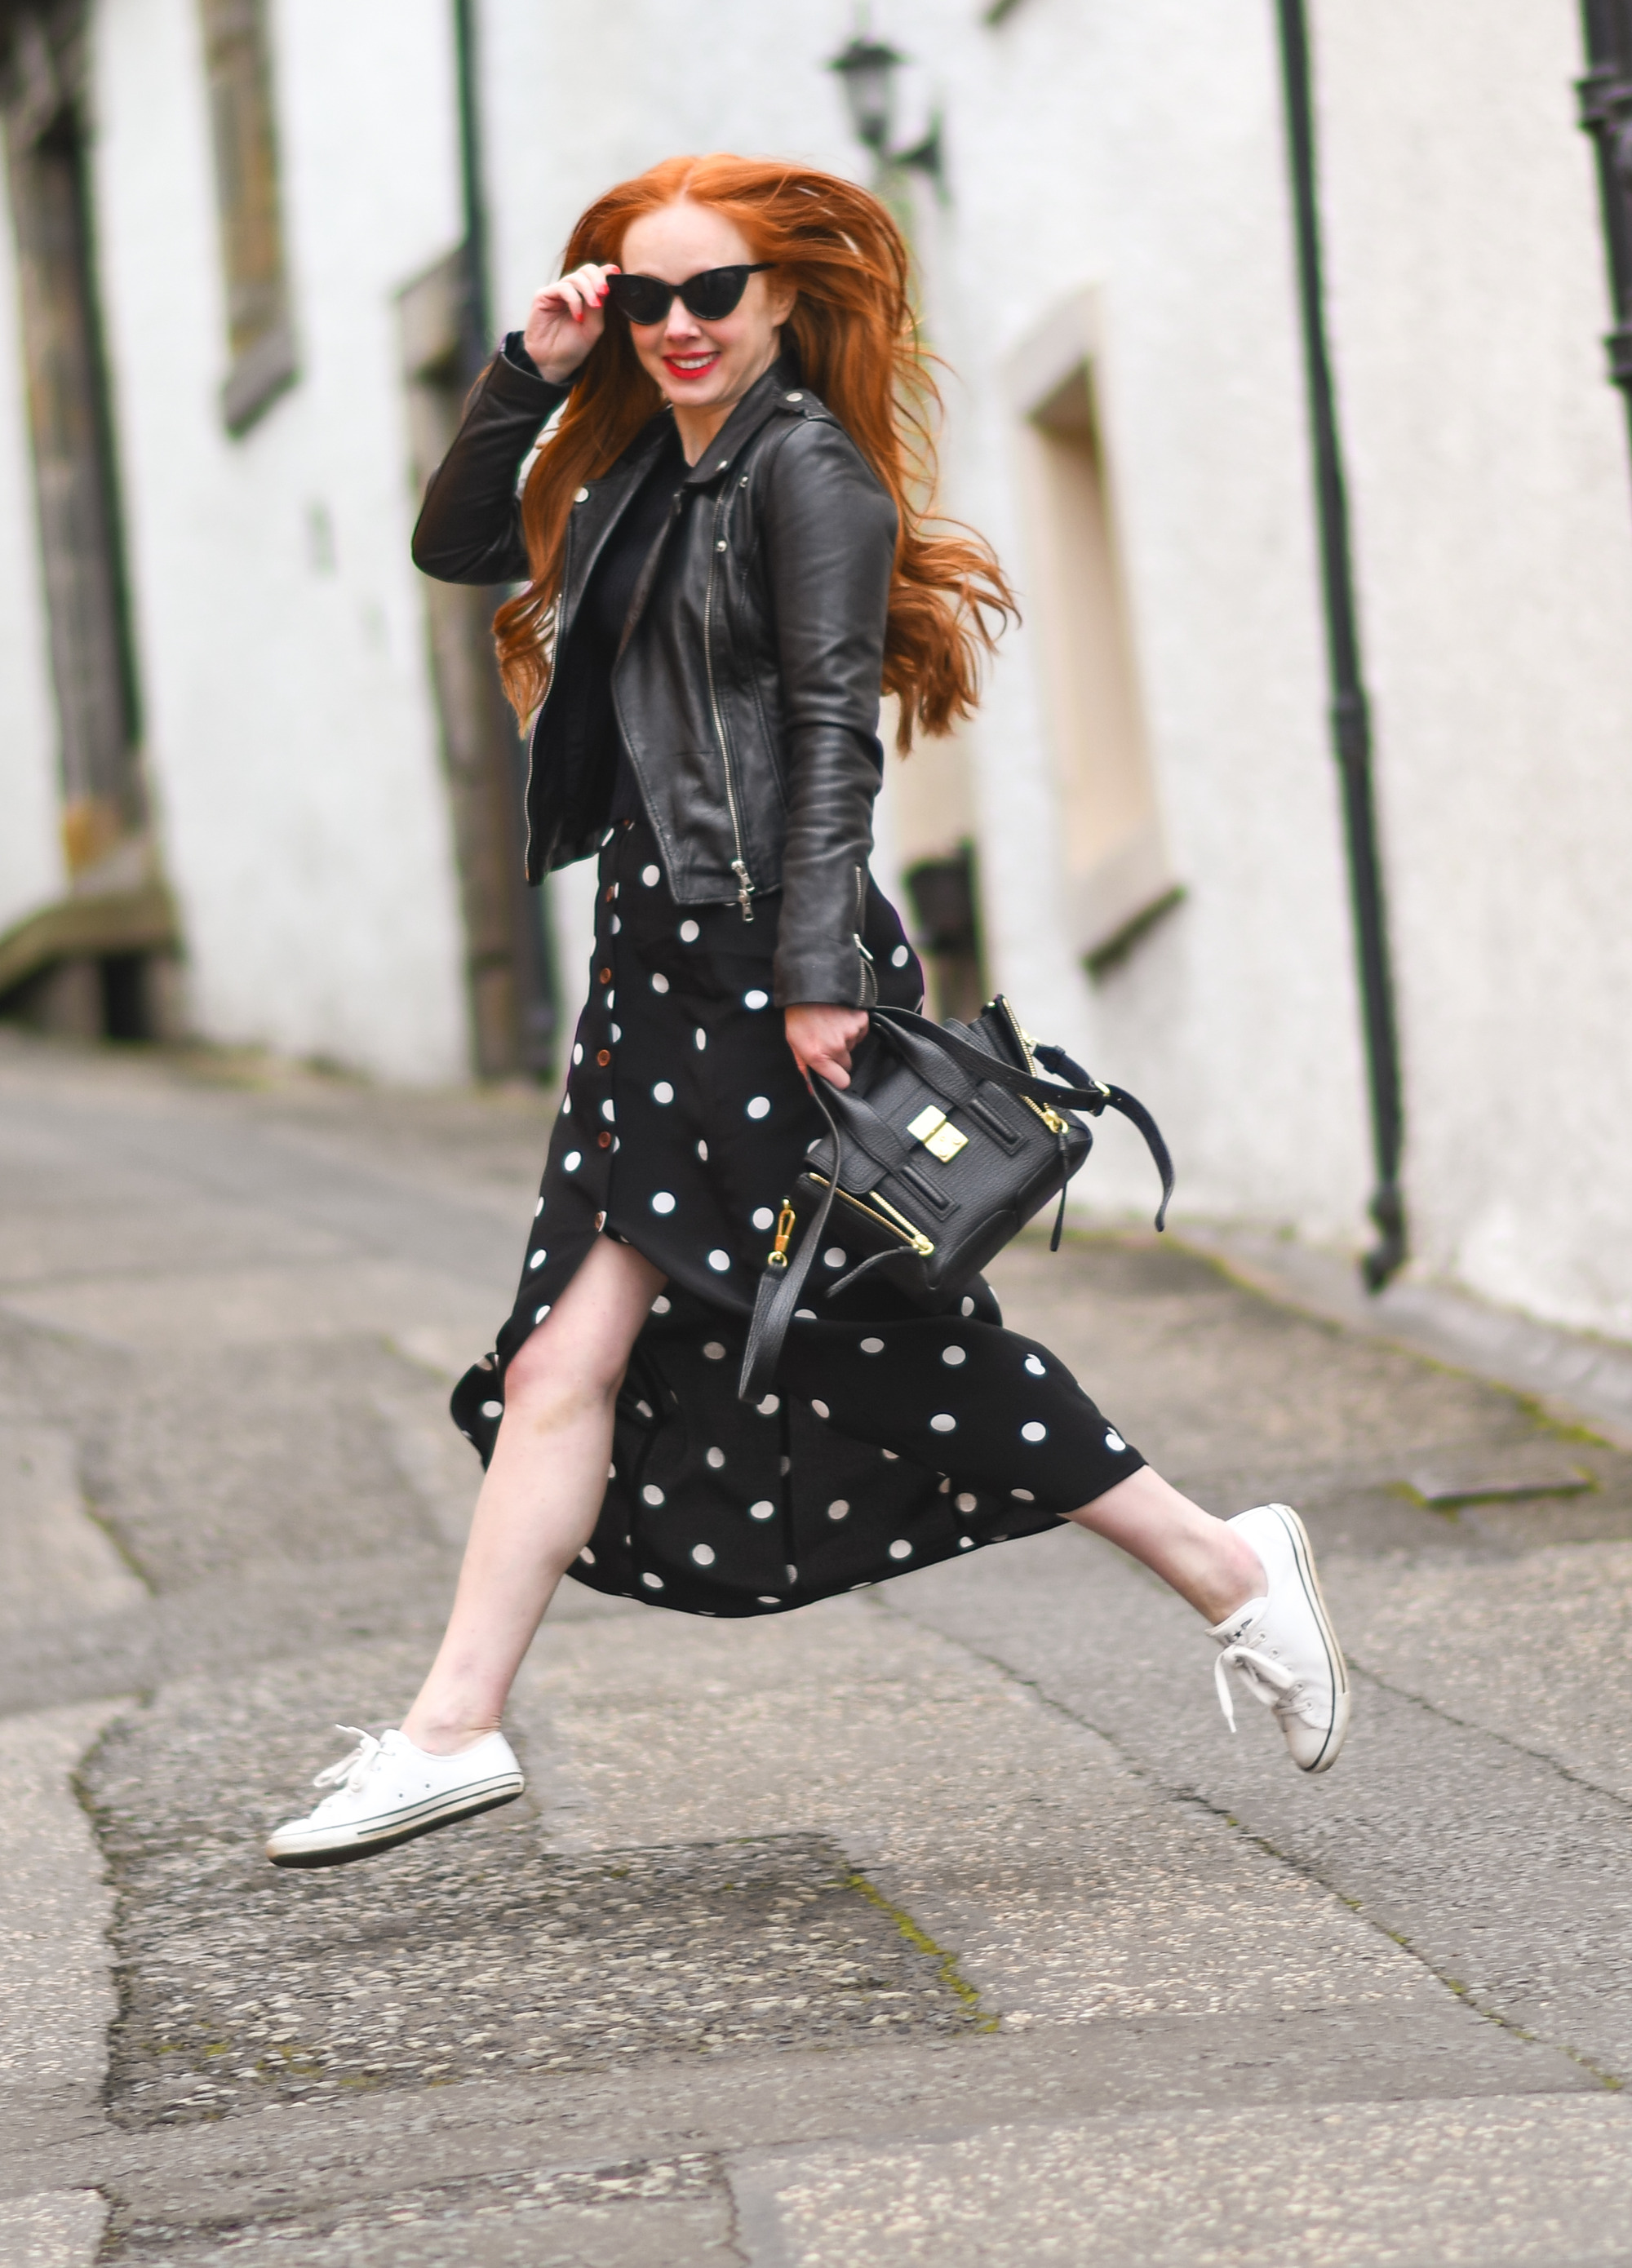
(938, 1135)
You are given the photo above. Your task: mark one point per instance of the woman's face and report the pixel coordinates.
(703, 365)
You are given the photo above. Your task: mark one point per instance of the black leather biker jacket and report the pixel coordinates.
(747, 697)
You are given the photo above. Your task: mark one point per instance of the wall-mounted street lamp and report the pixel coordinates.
(867, 72)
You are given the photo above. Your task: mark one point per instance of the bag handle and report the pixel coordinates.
(1090, 1094)
(780, 1287)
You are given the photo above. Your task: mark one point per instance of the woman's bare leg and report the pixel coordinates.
(541, 1495)
(1211, 1567)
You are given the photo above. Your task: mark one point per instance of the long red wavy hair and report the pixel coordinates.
(859, 348)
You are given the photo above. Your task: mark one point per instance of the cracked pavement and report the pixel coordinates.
(943, 1923)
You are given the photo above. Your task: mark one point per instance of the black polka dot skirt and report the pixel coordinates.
(894, 1438)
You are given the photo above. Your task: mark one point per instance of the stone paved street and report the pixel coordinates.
(943, 1923)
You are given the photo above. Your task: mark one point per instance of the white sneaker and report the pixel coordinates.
(1283, 1648)
(388, 1791)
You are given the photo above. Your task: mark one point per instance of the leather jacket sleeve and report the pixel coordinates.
(829, 547)
(469, 527)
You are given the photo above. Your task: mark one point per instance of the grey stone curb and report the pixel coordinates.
(1580, 1379)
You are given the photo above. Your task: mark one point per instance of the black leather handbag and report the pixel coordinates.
(943, 1145)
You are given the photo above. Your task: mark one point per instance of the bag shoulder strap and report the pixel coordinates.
(779, 1288)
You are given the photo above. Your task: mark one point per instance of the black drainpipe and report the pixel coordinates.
(1606, 115)
(1351, 722)
(474, 342)
(538, 992)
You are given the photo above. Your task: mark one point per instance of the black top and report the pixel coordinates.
(607, 599)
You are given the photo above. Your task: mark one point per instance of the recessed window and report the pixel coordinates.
(1117, 869)
(76, 482)
(260, 333)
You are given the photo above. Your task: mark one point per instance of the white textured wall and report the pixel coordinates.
(1494, 526)
(31, 859)
(1139, 151)
(290, 724)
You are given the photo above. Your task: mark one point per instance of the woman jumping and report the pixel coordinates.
(729, 557)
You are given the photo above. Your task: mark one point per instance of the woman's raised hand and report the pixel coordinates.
(822, 1036)
(564, 322)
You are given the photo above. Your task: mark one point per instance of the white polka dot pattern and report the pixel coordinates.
(645, 1175)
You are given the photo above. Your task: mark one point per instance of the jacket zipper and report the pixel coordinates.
(739, 864)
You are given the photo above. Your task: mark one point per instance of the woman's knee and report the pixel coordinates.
(551, 1380)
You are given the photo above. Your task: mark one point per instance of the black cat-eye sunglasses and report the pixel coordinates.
(710, 295)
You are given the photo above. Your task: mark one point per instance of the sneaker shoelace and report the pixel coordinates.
(1267, 1680)
(349, 1772)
